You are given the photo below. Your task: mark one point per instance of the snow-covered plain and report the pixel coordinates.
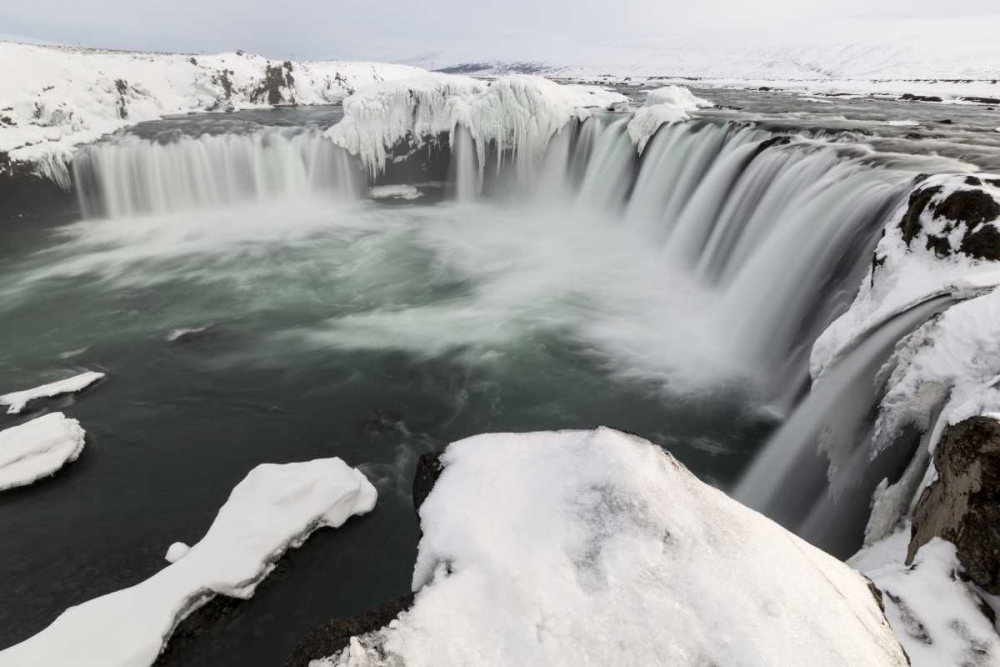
(38, 449)
(275, 507)
(632, 561)
(55, 98)
(16, 401)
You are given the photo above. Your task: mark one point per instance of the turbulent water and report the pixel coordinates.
(251, 303)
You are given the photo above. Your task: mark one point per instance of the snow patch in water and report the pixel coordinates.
(275, 507)
(38, 449)
(16, 401)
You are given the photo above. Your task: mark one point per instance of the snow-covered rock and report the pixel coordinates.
(38, 449)
(670, 104)
(515, 113)
(16, 401)
(55, 98)
(937, 616)
(963, 504)
(596, 547)
(275, 507)
(176, 551)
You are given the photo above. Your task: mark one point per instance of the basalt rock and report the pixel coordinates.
(972, 210)
(963, 504)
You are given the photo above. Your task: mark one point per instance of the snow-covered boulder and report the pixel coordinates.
(941, 240)
(516, 113)
(937, 616)
(963, 504)
(54, 98)
(275, 507)
(38, 448)
(596, 547)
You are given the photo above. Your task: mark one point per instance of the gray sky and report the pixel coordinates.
(396, 29)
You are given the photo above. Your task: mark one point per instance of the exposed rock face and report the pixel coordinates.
(429, 469)
(963, 505)
(336, 635)
(950, 220)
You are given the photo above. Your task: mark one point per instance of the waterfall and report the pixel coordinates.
(464, 168)
(129, 175)
(800, 477)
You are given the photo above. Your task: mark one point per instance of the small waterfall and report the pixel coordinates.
(800, 477)
(609, 174)
(464, 165)
(130, 176)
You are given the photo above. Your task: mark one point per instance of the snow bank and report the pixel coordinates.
(16, 401)
(936, 616)
(632, 561)
(516, 113)
(55, 98)
(273, 508)
(38, 448)
(669, 104)
(395, 192)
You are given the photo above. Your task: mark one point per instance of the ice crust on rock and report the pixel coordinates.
(38, 449)
(275, 507)
(55, 98)
(16, 401)
(516, 113)
(632, 561)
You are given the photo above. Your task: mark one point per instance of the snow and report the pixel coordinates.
(38, 448)
(670, 104)
(185, 332)
(176, 551)
(394, 192)
(16, 401)
(936, 616)
(517, 113)
(55, 98)
(632, 561)
(273, 508)
(947, 56)
(909, 275)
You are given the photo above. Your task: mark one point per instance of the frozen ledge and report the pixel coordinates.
(274, 508)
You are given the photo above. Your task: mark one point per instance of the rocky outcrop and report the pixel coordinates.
(936, 212)
(963, 504)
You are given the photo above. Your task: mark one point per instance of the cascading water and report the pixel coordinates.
(128, 176)
(815, 476)
(775, 234)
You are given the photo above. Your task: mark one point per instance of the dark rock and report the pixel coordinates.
(995, 182)
(276, 78)
(919, 200)
(121, 85)
(984, 243)
(973, 207)
(335, 635)
(947, 121)
(939, 244)
(429, 469)
(920, 98)
(972, 180)
(782, 140)
(982, 100)
(963, 505)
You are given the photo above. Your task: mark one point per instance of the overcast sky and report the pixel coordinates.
(397, 29)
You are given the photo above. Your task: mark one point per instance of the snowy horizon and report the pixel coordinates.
(916, 38)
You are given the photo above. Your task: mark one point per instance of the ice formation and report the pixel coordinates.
(38, 448)
(669, 104)
(514, 113)
(275, 507)
(18, 400)
(55, 98)
(633, 561)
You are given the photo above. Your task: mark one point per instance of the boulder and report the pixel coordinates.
(963, 504)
